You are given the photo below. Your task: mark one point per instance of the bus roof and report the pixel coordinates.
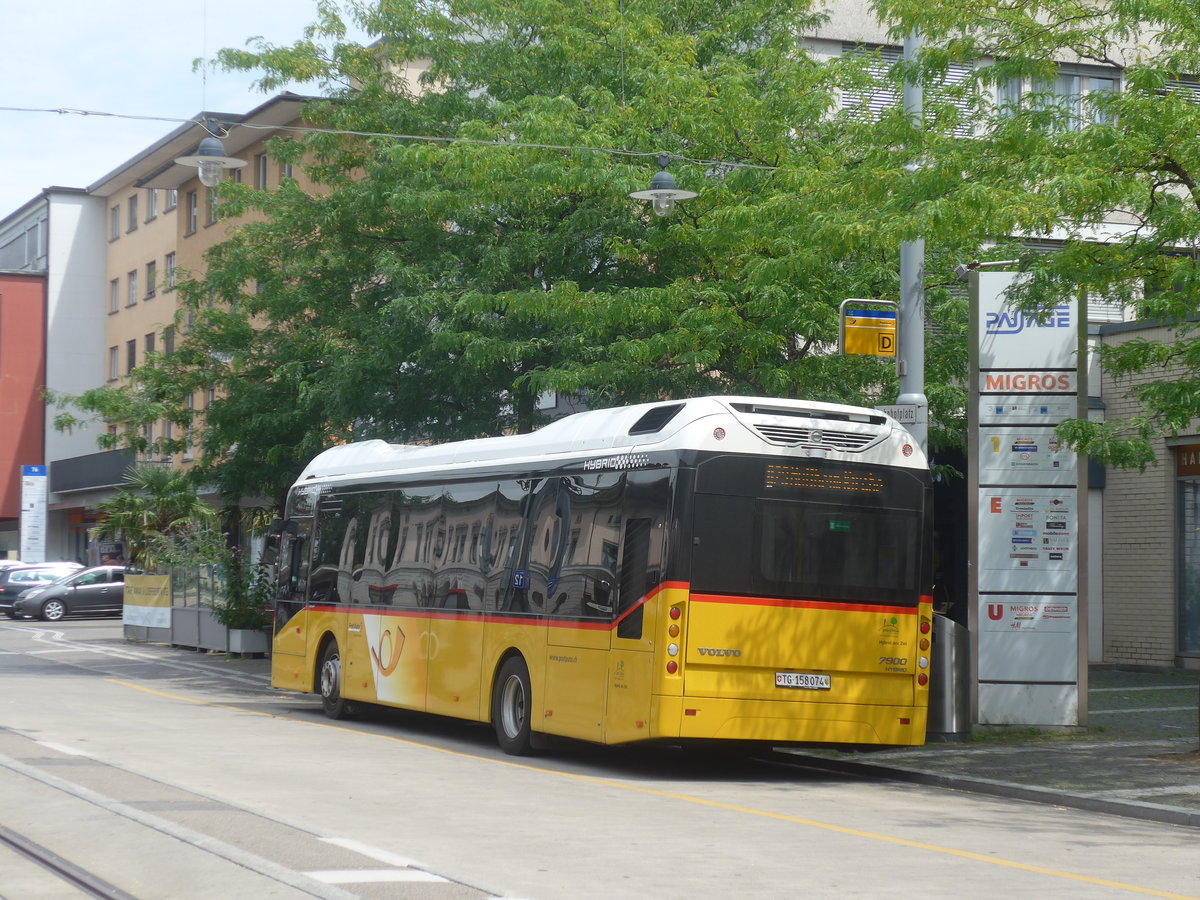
(755, 425)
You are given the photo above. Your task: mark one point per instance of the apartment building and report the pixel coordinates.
(86, 278)
(51, 260)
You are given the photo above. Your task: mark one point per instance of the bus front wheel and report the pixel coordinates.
(336, 707)
(512, 702)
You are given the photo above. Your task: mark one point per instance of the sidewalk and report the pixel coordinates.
(1139, 757)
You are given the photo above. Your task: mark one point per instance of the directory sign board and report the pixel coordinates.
(1026, 544)
(34, 492)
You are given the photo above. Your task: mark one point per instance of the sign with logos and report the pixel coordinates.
(1026, 548)
(1003, 409)
(1011, 339)
(34, 492)
(1024, 454)
(1028, 540)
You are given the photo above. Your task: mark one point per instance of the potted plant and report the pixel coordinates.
(245, 607)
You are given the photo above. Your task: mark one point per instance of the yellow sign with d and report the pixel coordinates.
(868, 328)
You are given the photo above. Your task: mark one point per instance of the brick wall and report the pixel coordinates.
(1139, 537)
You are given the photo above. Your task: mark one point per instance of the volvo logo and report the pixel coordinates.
(719, 651)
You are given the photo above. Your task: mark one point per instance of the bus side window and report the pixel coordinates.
(636, 577)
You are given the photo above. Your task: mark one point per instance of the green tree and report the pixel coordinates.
(1072, 155)
(154, 503)
(431, 288)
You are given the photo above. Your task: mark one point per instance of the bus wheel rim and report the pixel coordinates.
(514, 706)
(329, 678)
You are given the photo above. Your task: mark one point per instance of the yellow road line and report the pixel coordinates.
(698, 801)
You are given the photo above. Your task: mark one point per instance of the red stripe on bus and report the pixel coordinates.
(802, 604)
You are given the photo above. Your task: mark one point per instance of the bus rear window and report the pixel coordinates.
(837, 552)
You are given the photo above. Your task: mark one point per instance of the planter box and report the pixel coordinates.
(193, 626)
(244, 640)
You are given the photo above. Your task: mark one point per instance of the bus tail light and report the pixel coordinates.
(922, 679)
(674, 630)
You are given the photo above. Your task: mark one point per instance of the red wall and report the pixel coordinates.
(22, 376)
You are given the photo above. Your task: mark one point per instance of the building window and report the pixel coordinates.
(260, 171)
(151, 204)
(193, 212)
(172, 199)
(151, 279)
(133, 214)
(170, 265)
(114, 295)
(149, 343)
(131, 297)
(285, 170)
(112, 364)
(871, 104)
(114, 223)
(237, 176)
(130, 356)
(189, 437)
(169, 339)
(211, 207)
(1077, 95)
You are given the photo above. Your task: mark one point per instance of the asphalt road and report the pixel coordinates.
(161, 773)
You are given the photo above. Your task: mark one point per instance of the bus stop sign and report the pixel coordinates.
(868, 328)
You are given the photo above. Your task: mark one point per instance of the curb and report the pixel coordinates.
(1151, 812)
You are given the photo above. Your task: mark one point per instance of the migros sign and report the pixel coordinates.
(1027, 382)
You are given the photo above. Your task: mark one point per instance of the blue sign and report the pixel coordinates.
(520, 579)
(33, 470)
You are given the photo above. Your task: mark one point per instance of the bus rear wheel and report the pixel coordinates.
(330, 678)
(512, 701)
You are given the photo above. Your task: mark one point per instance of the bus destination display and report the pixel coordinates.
(784, 477)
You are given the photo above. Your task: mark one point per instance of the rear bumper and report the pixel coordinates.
(787, 721)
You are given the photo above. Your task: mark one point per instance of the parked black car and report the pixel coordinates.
(16, 580)
(99, 590)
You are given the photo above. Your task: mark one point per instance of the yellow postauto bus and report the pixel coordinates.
(721, 568)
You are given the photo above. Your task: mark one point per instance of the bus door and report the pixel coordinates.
(290, 641)
(632, 657)
(570, 533)
(454, 632)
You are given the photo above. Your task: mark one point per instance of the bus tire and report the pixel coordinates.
(329, 680)
(512, 703)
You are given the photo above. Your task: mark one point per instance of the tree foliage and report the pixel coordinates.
(1117, 172)
(430, 287)
(153, 507)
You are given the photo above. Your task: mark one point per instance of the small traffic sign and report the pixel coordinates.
(906, 413)
(868, 330)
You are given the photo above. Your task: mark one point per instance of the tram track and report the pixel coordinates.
(91, 884)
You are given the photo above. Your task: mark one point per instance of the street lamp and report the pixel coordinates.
(210, 158)
(662, 193)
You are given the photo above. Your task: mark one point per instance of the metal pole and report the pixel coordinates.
(910, 355)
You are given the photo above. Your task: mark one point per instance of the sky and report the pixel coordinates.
(125, 57)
